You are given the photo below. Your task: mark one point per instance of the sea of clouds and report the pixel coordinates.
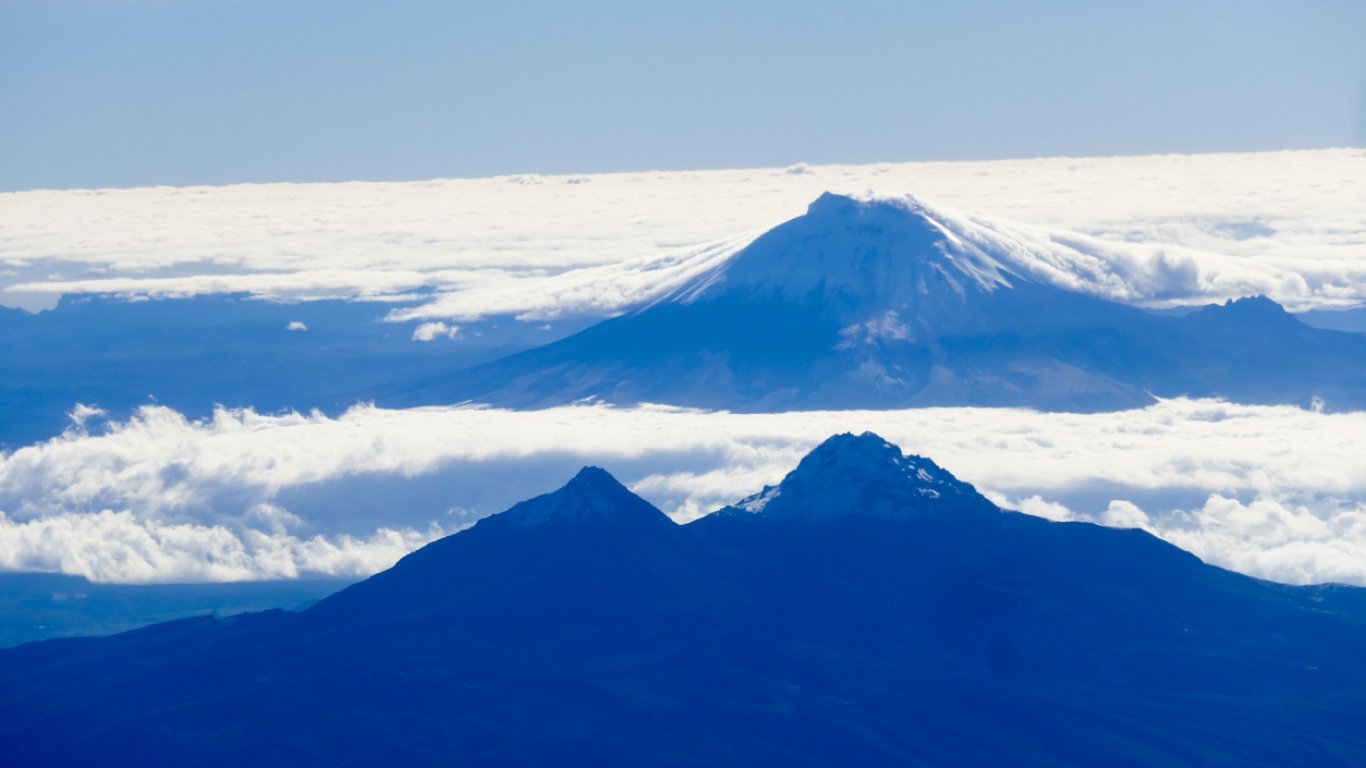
(1166, 229)
(1276, 492)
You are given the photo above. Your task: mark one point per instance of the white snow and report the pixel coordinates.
(756, 503)
(896, 243)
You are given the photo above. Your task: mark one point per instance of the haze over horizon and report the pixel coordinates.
(132, 93)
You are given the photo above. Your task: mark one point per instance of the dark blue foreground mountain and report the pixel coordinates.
(886, 303)
(869, 610)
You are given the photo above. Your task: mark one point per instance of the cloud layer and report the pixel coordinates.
(244, 495)
(1170, 228)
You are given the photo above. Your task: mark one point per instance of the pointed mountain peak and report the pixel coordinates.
(867, 448)
(591, 496)
(591, 479)
(862, 474)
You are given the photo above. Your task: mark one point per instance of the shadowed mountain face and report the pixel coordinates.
(886, 304)
(871, 609)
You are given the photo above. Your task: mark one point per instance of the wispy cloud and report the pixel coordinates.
(245, 495)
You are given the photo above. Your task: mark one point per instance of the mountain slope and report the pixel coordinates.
(886, 303)
(873, 609)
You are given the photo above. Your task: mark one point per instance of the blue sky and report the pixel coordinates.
(124, 93)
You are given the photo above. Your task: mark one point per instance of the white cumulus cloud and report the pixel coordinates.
(1272, 491)
(122, 547)
(434, 330)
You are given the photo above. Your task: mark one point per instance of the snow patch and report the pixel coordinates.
(756, 503)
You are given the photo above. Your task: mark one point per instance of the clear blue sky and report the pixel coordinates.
(126, 93)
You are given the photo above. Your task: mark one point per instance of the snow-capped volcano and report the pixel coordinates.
(887, 302)
(860, 255)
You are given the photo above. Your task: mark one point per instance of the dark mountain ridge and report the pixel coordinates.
(869, 609)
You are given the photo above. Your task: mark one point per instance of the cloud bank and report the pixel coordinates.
(243, 495)
(1161, 230)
